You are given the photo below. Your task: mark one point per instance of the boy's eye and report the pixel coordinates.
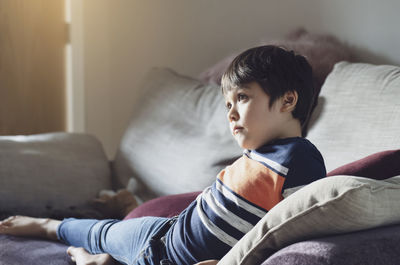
(228, 106)
(242, 97)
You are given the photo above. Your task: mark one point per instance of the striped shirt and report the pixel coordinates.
(241, 195)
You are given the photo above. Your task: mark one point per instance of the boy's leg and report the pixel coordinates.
(123, 240)
(29, 226)
(47, 228)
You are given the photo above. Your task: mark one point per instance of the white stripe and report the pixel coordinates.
(229, 217)
(215, 230)
(278, 167)
(248, 207)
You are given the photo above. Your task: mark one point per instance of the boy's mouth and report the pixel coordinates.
(237, 129)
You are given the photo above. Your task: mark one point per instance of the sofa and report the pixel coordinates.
(178, 140)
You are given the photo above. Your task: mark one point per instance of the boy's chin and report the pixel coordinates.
(247, 142)
(249, 145)
(246, 145)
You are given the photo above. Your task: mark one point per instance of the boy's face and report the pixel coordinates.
(252, 121)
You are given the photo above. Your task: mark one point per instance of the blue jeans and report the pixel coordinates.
(134, 241)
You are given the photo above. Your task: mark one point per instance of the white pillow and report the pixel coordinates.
(358, 113)
(332, 205)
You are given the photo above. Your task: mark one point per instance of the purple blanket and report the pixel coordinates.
(380, 246)
(22, 251)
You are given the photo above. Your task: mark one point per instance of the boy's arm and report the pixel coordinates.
(208, 262)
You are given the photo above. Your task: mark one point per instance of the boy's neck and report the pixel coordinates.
(291, 129)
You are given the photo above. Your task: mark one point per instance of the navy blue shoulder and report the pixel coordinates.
(303, 161)
(283, 151)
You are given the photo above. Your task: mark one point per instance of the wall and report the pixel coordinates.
(124, 38)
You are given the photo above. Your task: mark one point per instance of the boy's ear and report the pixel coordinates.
(289, 101)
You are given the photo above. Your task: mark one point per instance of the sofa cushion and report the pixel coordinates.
(51, 175)
(164, 206)
(358, 113)
(378, 246)
(322, 52)
(178, 138)
(381, 165)
(328, 206)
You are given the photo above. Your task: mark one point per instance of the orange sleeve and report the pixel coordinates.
(254, 182)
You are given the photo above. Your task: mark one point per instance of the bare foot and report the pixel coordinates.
(82, 257)
(29, 226)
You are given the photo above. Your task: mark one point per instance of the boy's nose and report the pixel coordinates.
(233, 115)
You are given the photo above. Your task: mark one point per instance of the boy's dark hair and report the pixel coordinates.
(277, 71)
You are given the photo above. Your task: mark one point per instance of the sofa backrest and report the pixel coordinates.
(358, 113)
(178, 138)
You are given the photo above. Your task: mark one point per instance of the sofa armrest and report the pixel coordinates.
(51, 175)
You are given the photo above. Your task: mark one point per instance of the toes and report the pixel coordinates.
(77, 254)
(5, 222)
(9, 219)
(71, 251)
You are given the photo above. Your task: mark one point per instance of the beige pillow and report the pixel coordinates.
(332, 205)
(358, 103)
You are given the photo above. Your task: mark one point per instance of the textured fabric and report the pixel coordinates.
(178, 138)
(240, 197)
(358, 113)
(332, 205)
(381, 165)
(165, 206)
(23, 251)
(51, 175)
(379, 246)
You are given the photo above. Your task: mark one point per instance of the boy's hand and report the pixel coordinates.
(208, 262)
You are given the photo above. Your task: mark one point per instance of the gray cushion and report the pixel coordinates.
(358, 113)
(328, 206)
(55, 174)
(178, 138)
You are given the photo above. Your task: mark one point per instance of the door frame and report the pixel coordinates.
(75, 71)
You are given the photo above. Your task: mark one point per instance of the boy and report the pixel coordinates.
(268, 94)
